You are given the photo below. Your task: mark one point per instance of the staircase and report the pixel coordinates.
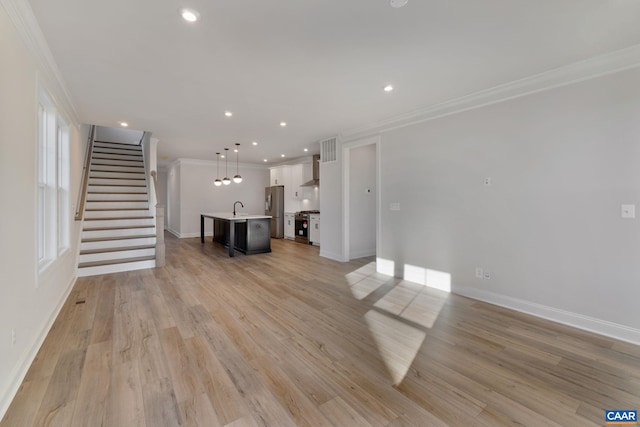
(119, 232)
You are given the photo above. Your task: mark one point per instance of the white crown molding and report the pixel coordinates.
(198, 162)
(591, 324)
(23, 19)
(609, 63)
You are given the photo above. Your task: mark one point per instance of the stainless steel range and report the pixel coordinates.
(302, 226)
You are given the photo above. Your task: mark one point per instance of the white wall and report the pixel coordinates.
(362, 201)
(198, 194)
(28, 302)
(121, 135)
(163, 176)
(174, 193)
(331, 229)
(549, 229)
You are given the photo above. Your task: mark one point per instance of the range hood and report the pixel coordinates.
(316, 173)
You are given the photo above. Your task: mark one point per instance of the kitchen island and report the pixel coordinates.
(249, 234)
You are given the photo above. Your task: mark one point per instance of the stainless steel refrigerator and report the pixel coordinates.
(274, 206)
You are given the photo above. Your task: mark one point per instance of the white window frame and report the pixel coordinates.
(53, 209)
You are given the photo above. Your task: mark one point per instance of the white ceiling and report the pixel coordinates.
(319, 65)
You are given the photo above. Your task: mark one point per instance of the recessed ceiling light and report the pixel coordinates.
(265, 160)
(306, 149)
(388, 88)
(228, 113)
(398, 3)
(282, 155)
(283, 124)
(254, 143)
(124, 124)
(189, 15)
(222, 156)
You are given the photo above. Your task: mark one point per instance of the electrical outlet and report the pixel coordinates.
(479, 273)
(487, 275)
(394, 206)
(13, 337)
(487, 181)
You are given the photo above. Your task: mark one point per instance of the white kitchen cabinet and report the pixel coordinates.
(289, 226)
(279, 175)
(314, 231)
(296, 181)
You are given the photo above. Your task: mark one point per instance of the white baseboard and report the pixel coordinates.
(331, 255)
(175, 233)
(188, 235)
(591, 324)
(362, 254)
(28, 359)
(191, 235)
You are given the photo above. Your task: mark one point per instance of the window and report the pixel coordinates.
(53, 183)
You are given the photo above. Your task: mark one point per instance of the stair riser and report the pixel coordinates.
(114, 156)
(107, 168)
(116, 182)
(119, 222)
(92, 197)
(123, 151)
(116, 145)
(114, 268)
(108, 162)
(116, 189)
(117, 205)
(114, 214)
(117, 233)
(86, 246)
(125, 174)
(117, 255)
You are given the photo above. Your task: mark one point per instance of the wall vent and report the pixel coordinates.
(329, 150)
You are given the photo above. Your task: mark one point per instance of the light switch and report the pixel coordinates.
(394, 206)
(628, 211)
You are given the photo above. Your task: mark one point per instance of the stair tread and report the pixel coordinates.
(120, 227)
(124, 144)
(114, 209)
(115, 218)
(116, 249)
(102, 150)
(105, 239)
(118, 201)
(116, 261)
(117, 185)
(116, 192)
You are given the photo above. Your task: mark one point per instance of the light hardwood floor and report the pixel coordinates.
(289, 338)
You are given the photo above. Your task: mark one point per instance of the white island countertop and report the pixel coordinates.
(229, 216)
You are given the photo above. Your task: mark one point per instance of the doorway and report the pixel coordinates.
(361, 198)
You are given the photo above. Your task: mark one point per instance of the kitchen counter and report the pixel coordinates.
(249, 234)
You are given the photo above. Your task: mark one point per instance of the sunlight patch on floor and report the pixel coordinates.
(366, 280)
(397, 342)
(399, 319)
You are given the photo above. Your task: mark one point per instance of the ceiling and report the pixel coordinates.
(319, 65)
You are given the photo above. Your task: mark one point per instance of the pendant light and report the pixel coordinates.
(217, 182)
(237, 179)
(226, 180)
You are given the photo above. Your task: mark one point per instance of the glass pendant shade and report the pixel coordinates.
(217, 181)
(237, 179)
(226, 180)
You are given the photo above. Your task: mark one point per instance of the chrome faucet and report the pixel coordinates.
(234, 207)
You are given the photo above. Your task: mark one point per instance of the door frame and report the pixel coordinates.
(346, 205)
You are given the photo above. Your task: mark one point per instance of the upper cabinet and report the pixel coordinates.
(292, 176)
(278, 175)
(297, 179)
